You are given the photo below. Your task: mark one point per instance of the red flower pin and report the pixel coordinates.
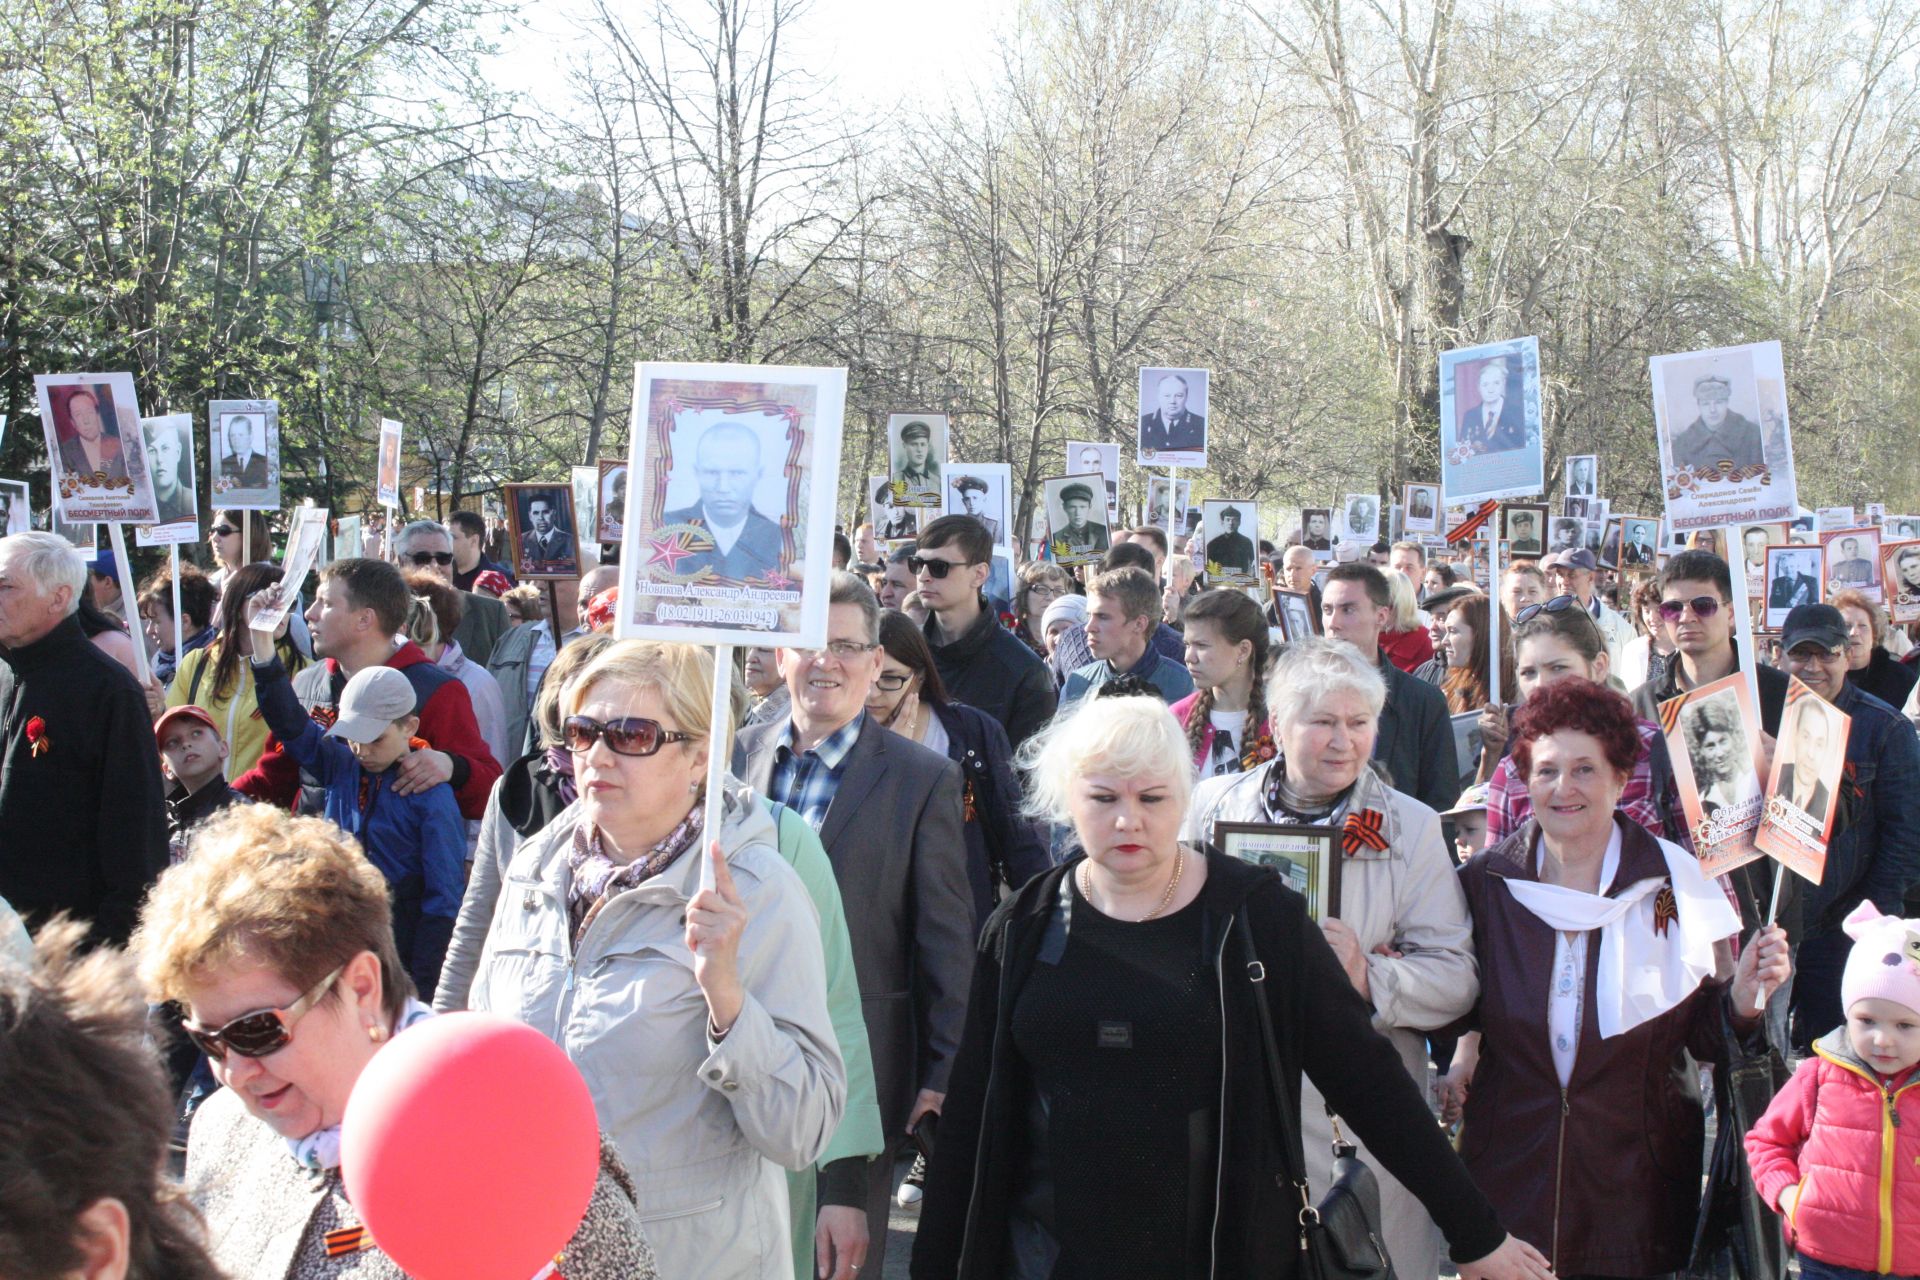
(37, 736)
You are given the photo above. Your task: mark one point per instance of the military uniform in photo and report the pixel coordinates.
(964, 485)
(751, 550)
(1232, 550)
(1184, 432)
(1734, 439)
(922, 482)
(1790, 590)
(1854, 572)
(1076, 540)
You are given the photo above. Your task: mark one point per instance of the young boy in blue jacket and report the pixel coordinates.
(418, 841)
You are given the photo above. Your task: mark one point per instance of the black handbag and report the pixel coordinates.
(1340, 1237)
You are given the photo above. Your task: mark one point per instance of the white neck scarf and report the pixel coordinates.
(321, 1148)
(1647, 966)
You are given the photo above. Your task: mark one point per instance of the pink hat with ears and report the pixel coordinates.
(1879, 967)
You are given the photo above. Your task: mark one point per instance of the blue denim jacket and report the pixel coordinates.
(1874, 851)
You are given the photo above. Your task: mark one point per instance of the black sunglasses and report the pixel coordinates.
(257, 1034)
(633, 736)
(224, 530)
(1559, 604)
(1702, 606)
(431, 557)
(893, 682)
(937, 568)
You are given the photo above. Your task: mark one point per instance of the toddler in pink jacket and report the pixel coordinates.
(1838, 1152)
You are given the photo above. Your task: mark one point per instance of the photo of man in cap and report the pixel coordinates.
(1523, 533)
(1230, 549)
(1717, 434)
(892, 523)
(916, 472)
(746, 544)
(1075, 536)
(973, 499)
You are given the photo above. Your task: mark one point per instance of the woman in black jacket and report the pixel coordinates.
(1109, 1112)
(909, 698)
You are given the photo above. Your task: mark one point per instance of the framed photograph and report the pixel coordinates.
(1582, 476)
(733, 473)
(1803, 793)
(917, 446)
(1726, 453)
(170, 458)
(387, 477)
(1092, 455)
(1173, 418)
(1850, 558)
(349, 538)
(1316, 531)
(890, 523)
(1901, 528)
(1232, 529)
(1877, 514)
(1592, 532)
(1793, 578)
(1467, 745)
(1632, 542)
(586, 508)
(1754, 541)
(1578, 508)
(983, 491)
(1298, 619)
(611, 510)
(305, 539)
(1421, 504)
(1564, 533)
(1713, 736)
(541, 531)
(1306, 858)
(1360, 519)
(1490, 422)
(243, 452)
(1159, 515)
(1523, 525)
(1073, 537)
(95, 450)
(82, 537)
(16, 515)
(1900, 570)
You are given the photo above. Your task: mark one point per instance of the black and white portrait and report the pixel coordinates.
(1084, 456)
(890, 523)
(1900, 562)
(1793, 579)
(1902, 528)
(1316, 531)
(1295, 611)
(1421, 503)
(1158, 516)
(917, 445)
(1639, 540)
(1719, 752)
(1583, 470)
(1563, 534)
(1851, 559)
(1811, 753)
(732, 501)
(542, 530)
(612, 515)
(980, 490)
(1173, 418)
(170, 454)
(1525, 529)
(1361, 519)
(243, 450)
(1076, 533)
(15, 515)
(1721, 419)
(1232, 532)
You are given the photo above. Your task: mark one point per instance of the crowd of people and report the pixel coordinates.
(968, 935)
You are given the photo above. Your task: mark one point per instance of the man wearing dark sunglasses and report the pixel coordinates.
(982, 663)
(427, 547)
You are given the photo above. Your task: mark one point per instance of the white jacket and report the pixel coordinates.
(704, 1128)
(1408, 898)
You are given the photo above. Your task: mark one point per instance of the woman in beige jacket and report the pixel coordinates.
(1401, 932)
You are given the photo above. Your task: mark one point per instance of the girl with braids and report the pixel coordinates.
(1225, 717)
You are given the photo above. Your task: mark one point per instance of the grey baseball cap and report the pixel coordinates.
(370, 703)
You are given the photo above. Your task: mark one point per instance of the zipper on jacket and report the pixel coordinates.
(1559, 1166)
(1889, 1134)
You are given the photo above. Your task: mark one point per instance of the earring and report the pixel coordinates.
(376, 1034)
(693, 788)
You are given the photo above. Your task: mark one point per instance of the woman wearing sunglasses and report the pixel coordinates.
(219, 678)
(276, 938)
(909, 698)
(698, 1015)
(1557, 641)
(237, 539)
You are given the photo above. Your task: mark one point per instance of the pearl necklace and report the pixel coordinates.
(1179, 865)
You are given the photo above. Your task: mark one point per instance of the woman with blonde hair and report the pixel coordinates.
(1405, 642)
(681, 969)
(276, 938)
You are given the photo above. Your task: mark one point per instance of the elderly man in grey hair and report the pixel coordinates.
(426, 545)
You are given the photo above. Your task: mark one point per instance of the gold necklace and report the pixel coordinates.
(1179, 865)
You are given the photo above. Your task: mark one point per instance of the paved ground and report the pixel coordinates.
(900, 1234)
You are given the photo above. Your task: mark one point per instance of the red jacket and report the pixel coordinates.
(1852, 1145)
(446, 722)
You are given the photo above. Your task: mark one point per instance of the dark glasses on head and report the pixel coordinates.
(431, 557)
(257, 1034)
(224, 530)
(633, 736)
(934, 568)
(1559, 604)
(1702, 606)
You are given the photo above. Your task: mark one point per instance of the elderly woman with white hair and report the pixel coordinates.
(1400, 931)
(1112, 1109)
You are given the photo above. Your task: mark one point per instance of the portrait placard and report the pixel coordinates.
(1754, 541)
(16, 516)
(243, 454)
(1793, 578)
(1582, 476)
(387, 477)
(917, 444)
(95, 450)
(1523, 526)
(1803, 793)
(1316, 531)
(1233, 557)
(1578, 508)
(1158, 516)
(82, 537)
(586, 509)
(541, 531)
(1073, 538)
(1713, 737)
(1421, 508)
(610, 507)
(1296, 613)
(1726, 453)
(1876, 514)
(1901, 528)
(1850, 560)
(349, 538)
(1360, 519)
(1591, 534)
(891, 524)
(1632, 542)
(732, 477)
(170, 462)
(1490, 422)
(305, 539)
(1173, 418)
(1094, 455)
(1900, 570)
(1564, 533)
(984, 491)
(1468, 742)
(1306, 858)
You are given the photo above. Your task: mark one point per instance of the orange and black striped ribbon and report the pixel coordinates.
(1363, 830)
(347, 1240)
(1472, 525)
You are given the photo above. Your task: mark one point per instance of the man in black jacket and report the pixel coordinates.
(82, 819)
(982, 663)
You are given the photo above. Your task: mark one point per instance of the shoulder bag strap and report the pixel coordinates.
(1291, 1148)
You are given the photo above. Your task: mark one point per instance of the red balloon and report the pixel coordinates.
(470, 1149)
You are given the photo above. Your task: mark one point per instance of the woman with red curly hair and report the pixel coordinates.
(1599, 945)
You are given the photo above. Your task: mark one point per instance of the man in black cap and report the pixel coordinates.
(1717, 434)
(1171, 426)
(1230, 549)
(973, 499)
(915, 467)
(1078, 535)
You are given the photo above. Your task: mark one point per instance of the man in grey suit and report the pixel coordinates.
(889, 813)
(427, 546)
